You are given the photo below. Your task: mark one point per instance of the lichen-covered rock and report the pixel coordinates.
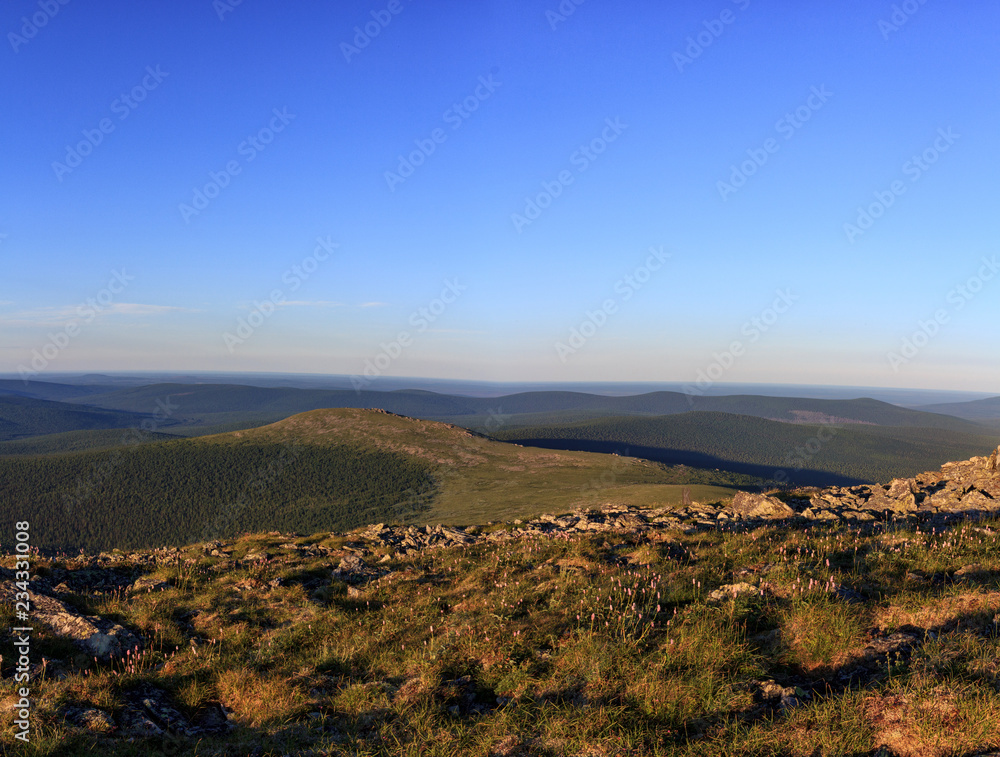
(898, 497)
(97, 637)
(90, 718)
(760, 506)
(147, 584)
(731, 591)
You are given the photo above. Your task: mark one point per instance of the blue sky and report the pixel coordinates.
(466, 193)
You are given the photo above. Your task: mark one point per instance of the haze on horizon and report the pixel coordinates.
(575, 191)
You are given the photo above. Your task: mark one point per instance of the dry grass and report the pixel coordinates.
(938, 612)
(822, 636)
(601, 644)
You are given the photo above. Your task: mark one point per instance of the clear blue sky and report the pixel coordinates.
(184, 95)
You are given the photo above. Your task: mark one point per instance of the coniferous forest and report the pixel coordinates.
(184, 491)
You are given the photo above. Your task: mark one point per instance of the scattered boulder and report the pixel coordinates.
(351, 564)
(147, 584)
(97, 637)
(774, 694)
(969, 571)
(896, 645)
(731, 591)
(89, 718)
(760, 507)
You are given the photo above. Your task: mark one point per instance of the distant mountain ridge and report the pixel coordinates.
(777, 451)
(23, 417)
(199, 399)
(976, 410)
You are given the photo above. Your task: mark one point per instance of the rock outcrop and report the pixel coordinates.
(95, 636)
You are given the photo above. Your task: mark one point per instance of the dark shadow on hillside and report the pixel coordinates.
(768, 474)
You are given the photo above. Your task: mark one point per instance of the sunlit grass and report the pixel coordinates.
(600, 644)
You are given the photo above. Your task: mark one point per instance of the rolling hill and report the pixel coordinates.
(77, 441)
(22, 417)
(320, 470)
(754, 437)
(193, 406)
(977, 410)
(770, 450)
(48, 390)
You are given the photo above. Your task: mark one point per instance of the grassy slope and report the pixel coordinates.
(759, 446)
(481, 480)
(589, 646)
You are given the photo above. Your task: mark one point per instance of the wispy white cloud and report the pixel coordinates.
(63, 314)
(133, 308)
(312, 304)
(328, 304)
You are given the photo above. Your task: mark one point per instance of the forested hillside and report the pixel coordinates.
(797, 453)
(183, 491)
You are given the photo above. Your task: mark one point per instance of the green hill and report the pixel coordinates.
(76, 441)
(48, 390)
(321, 470)
(22, 417)
(977, 410)
(802, 454)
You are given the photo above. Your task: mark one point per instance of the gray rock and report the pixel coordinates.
(760, 507)
(969, 571)
(731, 591)
(97, 637)
(148, 584)
(775, 694)
(90, 718)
